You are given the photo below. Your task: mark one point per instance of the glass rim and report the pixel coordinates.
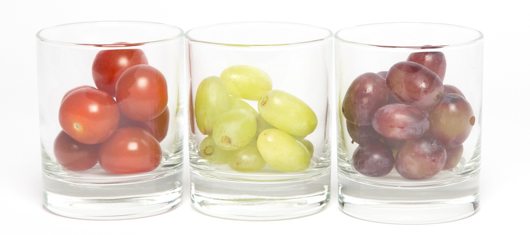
(329, 34)
(45, 39)
(479, 36)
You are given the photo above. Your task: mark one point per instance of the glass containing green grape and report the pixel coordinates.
(260, 93)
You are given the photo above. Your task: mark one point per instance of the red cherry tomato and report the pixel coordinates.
(89, 115)
(157, 127)
(73, 155)
(110, 64)
(141, 92)
(75, 89)
(130, 150)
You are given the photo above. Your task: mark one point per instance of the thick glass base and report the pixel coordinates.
(135, 199)
(414, 205)
(250, 200)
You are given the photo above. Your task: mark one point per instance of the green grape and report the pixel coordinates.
(246, 82)
(299, 138)
(211, 102)
(212, 153)
(309, 146)
(239, 103)
(283, 152)
(287, 113)
(247, 159)
(234, 129)
(262, 124)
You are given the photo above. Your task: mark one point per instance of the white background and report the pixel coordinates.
(506, 159)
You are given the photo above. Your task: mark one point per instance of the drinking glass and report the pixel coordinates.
(409, 121)
(259, 136)
(111, 120)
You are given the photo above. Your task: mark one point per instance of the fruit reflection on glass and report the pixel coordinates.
(407, 109)
(121, 133)
(248, 139)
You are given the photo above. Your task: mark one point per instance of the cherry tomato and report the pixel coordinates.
(141, 92)
(130, 150)
(73, 155)
(75, 89)
(157, 127)
(110, 64)
(89, 115)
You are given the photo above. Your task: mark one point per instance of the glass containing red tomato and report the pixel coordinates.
(111, 111)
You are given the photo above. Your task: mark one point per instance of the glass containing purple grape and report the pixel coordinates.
(428, 126)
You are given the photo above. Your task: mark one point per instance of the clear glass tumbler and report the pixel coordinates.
(409, 121)
(111, 118)
(259, 138)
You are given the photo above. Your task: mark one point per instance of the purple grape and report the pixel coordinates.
(366, 94)
(362, 134)
(451, 120)
(394, 144)
(373, 159)
(400, 121)
(391, 98)
(383, 74)
(433, 60)
(453, 157)
(450, 89)
(414, 84)
(420, 158)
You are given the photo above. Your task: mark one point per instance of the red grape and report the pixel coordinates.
(366, 94)
(391, 98)
(362, 134)
(394, 144)
(450, 89)
(451, 120)
(400, 121)
(433, 60)
(373, 159)
(453, 157)
(414, 84)
(420, 158)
